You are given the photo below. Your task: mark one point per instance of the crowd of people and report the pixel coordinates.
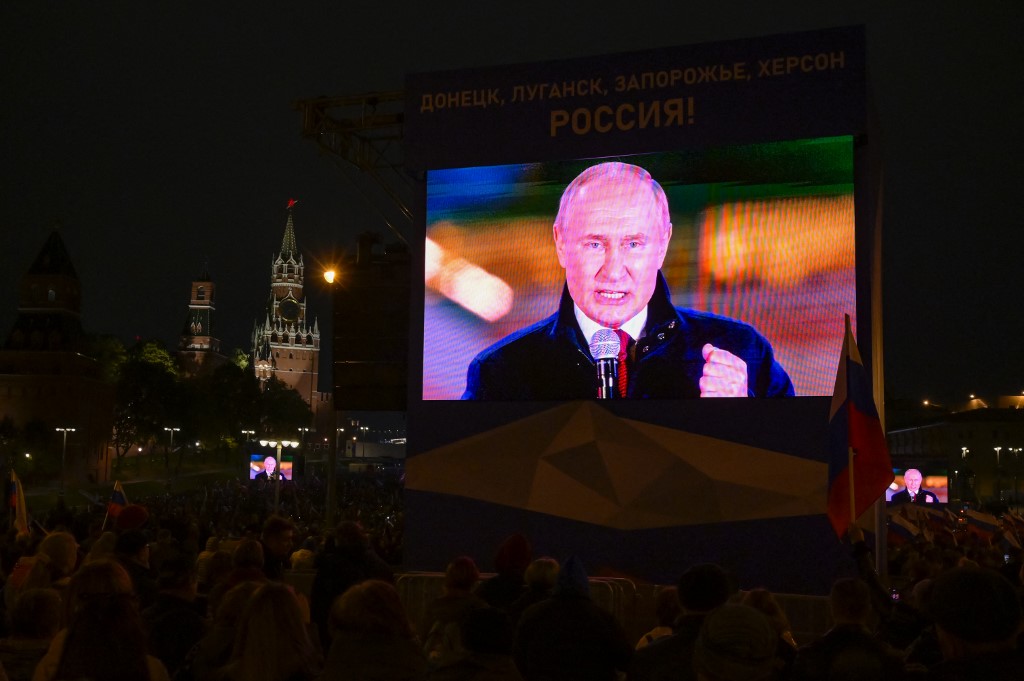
(197, 587)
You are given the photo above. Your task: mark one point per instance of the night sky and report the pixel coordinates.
(162, 139)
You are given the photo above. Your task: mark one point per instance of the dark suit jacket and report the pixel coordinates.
(262, 475)
(550, 360)
(923, 497)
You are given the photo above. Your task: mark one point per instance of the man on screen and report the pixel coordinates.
(269, 471)
(611, 235)
(913, 494)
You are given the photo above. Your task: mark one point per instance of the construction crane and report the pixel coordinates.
(366, 132)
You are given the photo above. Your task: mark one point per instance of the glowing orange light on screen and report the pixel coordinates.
(466, 284)
(779, 242)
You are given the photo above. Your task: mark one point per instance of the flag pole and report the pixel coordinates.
(853, 498)
(106, 516)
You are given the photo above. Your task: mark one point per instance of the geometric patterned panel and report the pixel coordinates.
(581, 462)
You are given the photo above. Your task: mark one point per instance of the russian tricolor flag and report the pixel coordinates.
(855, 438)
(984, 525)
(901, 530)
(16, 500)
(118, 500)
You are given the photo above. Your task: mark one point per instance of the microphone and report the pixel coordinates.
(604, 348)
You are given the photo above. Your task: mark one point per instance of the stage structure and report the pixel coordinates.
(764, 153)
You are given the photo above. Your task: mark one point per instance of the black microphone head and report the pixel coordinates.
(605, 344)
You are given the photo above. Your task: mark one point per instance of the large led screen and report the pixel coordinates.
(761, 248)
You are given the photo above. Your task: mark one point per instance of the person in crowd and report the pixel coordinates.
(218, 567)
(442, 641)
(302, 560)
(347, 559)
(487, 637)
(272, 641)
(55, 559)
(278, 538)
(102, 547)
(848, 650)
(203, 559)
(372, 637)
(35, 620)
(104, 639)
(570, 637)
(765, 603)
(701, 589)
(133, 552)
(611, 236)
(510, 563)
(978, 621)
(174, 623)
(131, 517)
(540, 578)
(247, 566)
(213, 650)
(736, 643)
(666, 609)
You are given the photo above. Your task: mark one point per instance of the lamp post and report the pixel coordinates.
(167, 459)
(63, 458)
(277, 486)
(964, 451)
(999, 481)
(1016, 473)
(330, 275)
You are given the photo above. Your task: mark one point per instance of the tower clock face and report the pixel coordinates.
(289, 309)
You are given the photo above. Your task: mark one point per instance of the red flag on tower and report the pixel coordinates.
(859, 466)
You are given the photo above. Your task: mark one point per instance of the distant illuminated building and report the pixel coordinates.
(199, 349)
(286, 345)
(980, 448)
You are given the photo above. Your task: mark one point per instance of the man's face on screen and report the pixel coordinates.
(913, 480)
(270, 465)
(612, 243)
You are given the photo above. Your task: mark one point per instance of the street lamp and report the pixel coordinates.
(277, 487)
(999, 481)
(63, 457)
(167, 458)
(1016, 473)
(330, 276)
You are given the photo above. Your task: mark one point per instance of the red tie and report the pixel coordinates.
(623, 351)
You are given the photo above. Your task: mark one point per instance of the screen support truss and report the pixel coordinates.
(366, 131)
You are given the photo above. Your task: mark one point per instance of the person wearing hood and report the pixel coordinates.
(570, 637)
(348, 559)
(510, 563)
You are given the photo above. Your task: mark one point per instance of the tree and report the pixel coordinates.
(282, 410)
(220, 404)
(111, 354)
(147, 396)
(240, 358)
